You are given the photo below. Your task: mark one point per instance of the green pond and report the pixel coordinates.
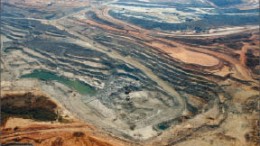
(77, 85)
(163, 126)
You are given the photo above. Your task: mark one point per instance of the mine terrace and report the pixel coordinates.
(129, 72)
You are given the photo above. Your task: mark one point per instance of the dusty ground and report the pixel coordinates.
(55, 134)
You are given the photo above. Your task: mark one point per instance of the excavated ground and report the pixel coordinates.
(85, 77)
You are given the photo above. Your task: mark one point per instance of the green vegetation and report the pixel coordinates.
(77, 85)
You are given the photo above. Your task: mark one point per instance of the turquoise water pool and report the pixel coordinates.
(77, 85)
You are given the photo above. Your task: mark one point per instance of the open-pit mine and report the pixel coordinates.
(130, 73)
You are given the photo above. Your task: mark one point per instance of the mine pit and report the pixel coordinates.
(129, 72)
(29, 106)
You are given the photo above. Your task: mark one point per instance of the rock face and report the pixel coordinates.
(148, 73)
